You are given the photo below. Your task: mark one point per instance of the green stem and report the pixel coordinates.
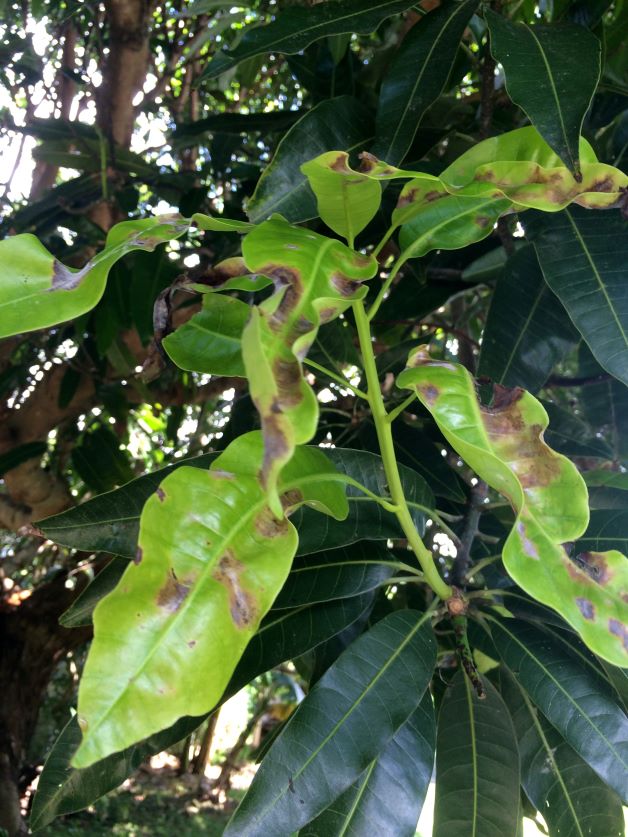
(385, 287)
(384, 240)
(337, 378)
(387, 449)
(347, 480)
(398, 410)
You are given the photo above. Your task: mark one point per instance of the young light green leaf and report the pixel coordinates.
(504, 445)
(210, 341)
(343, 123)
(364, 698)
(477, 764)
(297, 27)
(316, 279)
(563, 61)
(583, 257)
(417, 75)
(574, 801)
(572, 697)
(211, 559)
(389, 795)
(527, 331)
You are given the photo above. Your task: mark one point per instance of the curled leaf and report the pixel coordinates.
(504, 446)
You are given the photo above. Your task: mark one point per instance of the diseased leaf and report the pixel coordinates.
(574, 801)
(504, 446)
(417, 75)
(527, 331)
(583, 257)
(343, 123)
(564, 61)
(316, 279)
(575, 701)
(210, 341)
(211, 559)
(389, 795)
(354, 709)
(296, 27)
(477, 764)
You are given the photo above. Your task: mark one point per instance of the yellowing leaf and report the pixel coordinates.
(504, 446)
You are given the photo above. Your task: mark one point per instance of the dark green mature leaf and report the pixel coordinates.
(99, 461)
(477, 764)
(21, 453)
(417, 76)
(575, 701)
(389, 795)
(568, 434)
(527, 331)
(235, 123)
(211, 341)
(296, 27)
(583, 256)
(80, 611)
(341, 123)
(353, 710)
(607, 529)
(574, 801)
(604, 403)
(551, 73)
(421, 453)
(63, 789)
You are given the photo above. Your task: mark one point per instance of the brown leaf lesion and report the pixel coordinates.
(173, 593)
(243, 606)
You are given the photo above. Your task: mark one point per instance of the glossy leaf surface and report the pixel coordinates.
(211, 560)
(527, 331)
(573, 799)
(579, 703)
(417, 76)
(316, 279)
(564, 61)
(389, 795)
(504, 446)
(296, 27)
(210, 341)
(583, 257)
(353, 710)
(477, 764)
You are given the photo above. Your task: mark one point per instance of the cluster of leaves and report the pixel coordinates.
(226, 565)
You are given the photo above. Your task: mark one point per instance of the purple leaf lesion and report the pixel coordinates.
(173, 593)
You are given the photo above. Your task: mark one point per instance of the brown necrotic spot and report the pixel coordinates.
(594, 565)
(604, 185)
(340, 163)
(173, 593)
(161, 494)
(139, 554)
(288, 378)
(291, 499)
(242, 605)
(586, 608)
(343, 285)
(618, 629)
(268, 526)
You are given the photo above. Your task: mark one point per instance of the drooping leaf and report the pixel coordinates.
(343, 123)
(80, 611)
(527, 331)
(583, 257)
(211, 559)
(37, 291)
(521, 166)
(417, 76)
(572, 798)
(477, 764)
(504, 446)
(389, 795)
(564, 62)
(316, 279)
(354, 709)
(63, 789)
(575, 701)
(296, 27)
(210, 341)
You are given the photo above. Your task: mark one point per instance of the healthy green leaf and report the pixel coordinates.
(80, 611)
(572, 798)
(296, 27)
(389, 795)
(22, 453)
(210, 341)
(354, 709)
(504, 446)
(477, 764)
(342, 122)
(583, 257)
(563, 60)
(417, 75)
(607, 529)
(527, 331)
(211, 559)
(577, 703)
(316, 279)
(568, 434)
